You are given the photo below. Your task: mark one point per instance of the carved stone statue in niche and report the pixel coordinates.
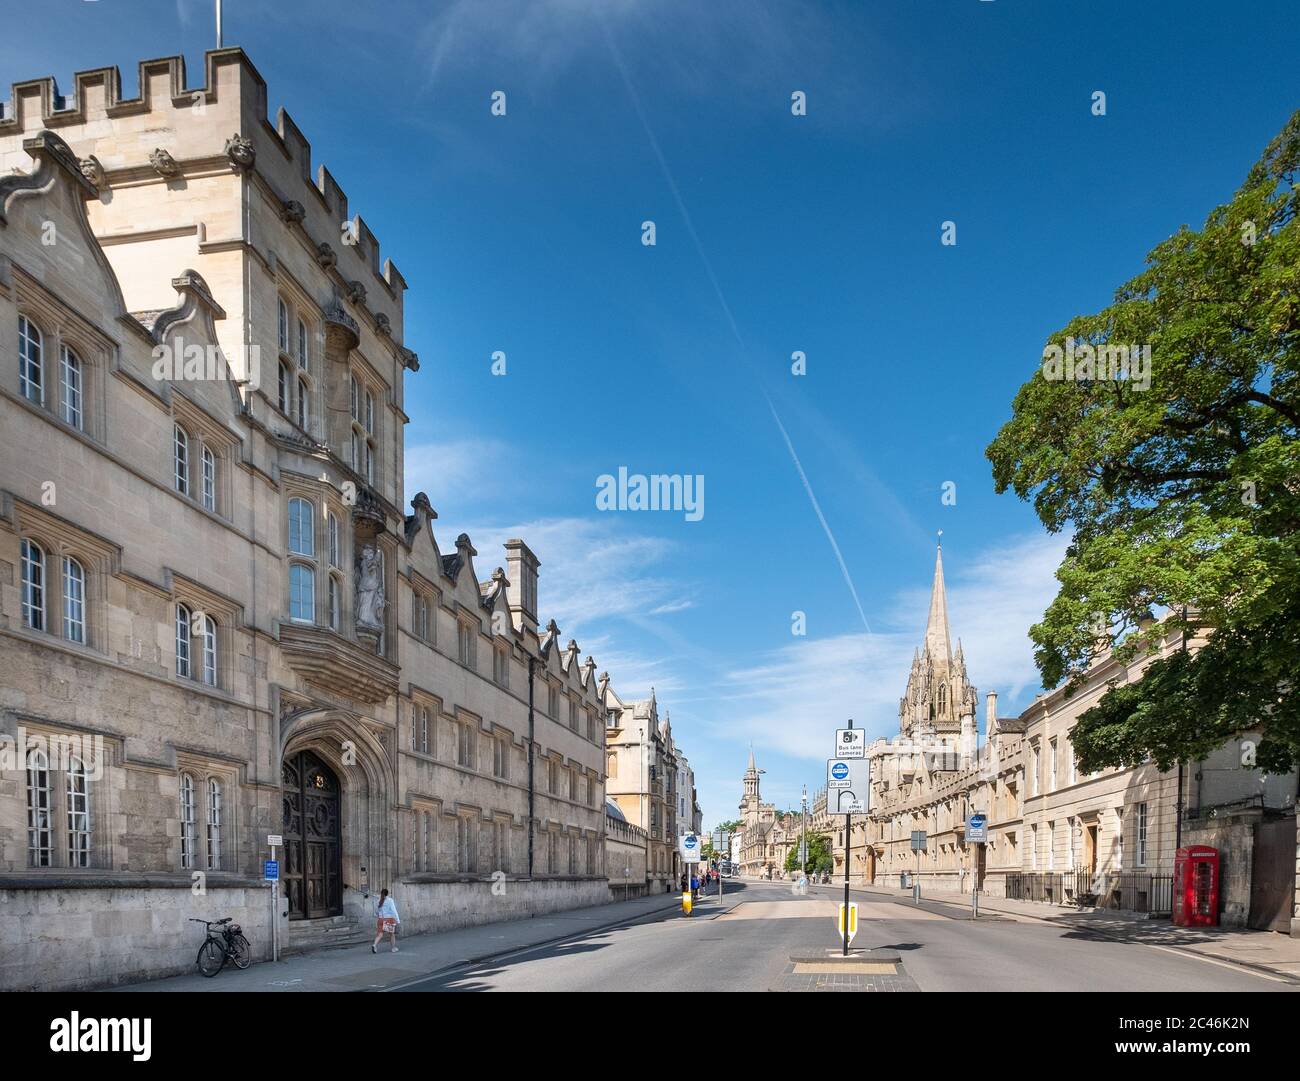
(370, 589)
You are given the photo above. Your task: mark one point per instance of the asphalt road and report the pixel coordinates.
(746, 947)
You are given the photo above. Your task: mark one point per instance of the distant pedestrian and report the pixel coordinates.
(695, 888)
(386, 921)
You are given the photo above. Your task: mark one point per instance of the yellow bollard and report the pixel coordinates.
(686, 902)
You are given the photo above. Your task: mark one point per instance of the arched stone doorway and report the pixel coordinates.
(313, 871)
(342, 747)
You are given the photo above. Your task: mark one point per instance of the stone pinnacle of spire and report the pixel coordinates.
(936, 628)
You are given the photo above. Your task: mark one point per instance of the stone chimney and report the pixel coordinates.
(990, 713)
(521, 569)
(969, 737)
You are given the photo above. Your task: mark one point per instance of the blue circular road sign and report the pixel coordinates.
(839, 771)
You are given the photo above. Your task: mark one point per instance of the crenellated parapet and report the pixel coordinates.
(250, 143)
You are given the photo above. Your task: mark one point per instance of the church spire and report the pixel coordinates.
(936, 630)
(750, 803)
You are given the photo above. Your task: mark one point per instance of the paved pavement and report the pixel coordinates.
(355, 968)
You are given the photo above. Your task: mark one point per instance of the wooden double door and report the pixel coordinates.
(313, 856)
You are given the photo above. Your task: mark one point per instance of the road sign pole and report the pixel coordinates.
(275, 913)
(916, 880)
(848, 851)
(976, 838)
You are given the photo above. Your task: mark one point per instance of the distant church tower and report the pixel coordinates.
(749, 803)
(939, 699)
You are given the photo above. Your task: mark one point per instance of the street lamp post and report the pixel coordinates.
(803, 840)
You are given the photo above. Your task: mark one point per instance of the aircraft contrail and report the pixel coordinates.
(731, 319)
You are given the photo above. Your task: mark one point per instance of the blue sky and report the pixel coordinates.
(775, 233)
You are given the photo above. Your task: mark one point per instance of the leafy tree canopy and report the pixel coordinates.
(1183, 494)
(819, 855)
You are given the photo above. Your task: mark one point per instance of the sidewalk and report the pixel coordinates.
(355, 968)
(1265, 951)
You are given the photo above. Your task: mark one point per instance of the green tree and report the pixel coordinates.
(1183, 498)
(819, 855)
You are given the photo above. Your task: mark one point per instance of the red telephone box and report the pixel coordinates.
(1196, 887)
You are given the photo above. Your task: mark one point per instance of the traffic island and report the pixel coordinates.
(831, 970)
(863, 962)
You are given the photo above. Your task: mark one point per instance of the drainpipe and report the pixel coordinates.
(532, 667)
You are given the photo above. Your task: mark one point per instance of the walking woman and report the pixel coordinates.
(386, 921)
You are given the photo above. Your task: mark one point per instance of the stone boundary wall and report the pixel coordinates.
(1234, 836)
(76, 939)
(85, 937)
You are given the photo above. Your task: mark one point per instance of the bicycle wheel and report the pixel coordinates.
(240, 953)
(212, 958)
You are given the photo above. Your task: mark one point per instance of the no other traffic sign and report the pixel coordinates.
(848, 785)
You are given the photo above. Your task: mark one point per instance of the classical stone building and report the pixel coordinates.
(1114, 833)
(219, 620)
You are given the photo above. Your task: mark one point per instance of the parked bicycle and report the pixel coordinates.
(226, 944)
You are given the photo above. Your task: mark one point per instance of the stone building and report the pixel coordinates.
(219, 621)
(689, 816)
(766, 835)
(641, 780)
(1114, 834)
(1055, 834)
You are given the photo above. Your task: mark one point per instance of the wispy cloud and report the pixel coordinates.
(456, 473)
(765, 49)
(599, 578)
(593, 571)
(672, 606)
(794, 696)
